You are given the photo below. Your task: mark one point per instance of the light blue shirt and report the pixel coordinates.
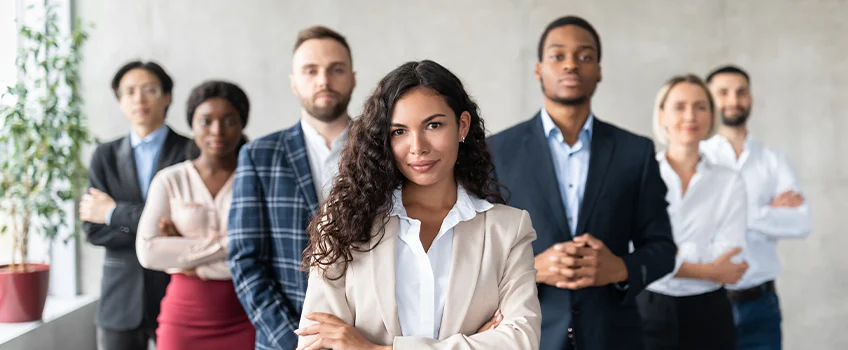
(146, 152)
(571, 164)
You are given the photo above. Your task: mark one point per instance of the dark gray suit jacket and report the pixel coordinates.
(129, 294)
(624, 201)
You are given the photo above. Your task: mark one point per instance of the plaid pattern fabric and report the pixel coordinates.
(273, 201)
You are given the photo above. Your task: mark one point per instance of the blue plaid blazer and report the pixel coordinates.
(273, 200)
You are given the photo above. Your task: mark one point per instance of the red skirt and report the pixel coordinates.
(198, 314)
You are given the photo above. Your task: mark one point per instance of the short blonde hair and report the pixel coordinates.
(660, 133)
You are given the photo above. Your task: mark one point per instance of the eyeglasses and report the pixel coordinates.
(146, 90)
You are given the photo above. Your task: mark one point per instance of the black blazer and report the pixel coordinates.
(623, 202)
(129, 294)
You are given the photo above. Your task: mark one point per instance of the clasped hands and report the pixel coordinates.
(583, 262)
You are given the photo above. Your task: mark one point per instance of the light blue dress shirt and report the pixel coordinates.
(146, 153)
(571, 164)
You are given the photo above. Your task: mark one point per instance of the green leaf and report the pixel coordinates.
(42, 134)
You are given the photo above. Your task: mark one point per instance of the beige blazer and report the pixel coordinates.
(492, 268)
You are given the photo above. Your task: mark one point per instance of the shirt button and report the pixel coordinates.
(570, 185)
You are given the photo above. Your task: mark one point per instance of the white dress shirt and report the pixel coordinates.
(707, 221)
(423, 277)
(323, 161)
(766, 174)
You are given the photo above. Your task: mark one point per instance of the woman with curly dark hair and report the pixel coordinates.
(182, 230)
(408, 252)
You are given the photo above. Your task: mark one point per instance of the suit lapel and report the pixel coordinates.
(538, 157)
(599, 159)
(466, 261)
(295, 149)
(383, 258)
(170, 153)
(127, 172)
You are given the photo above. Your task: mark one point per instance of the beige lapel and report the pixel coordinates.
(466, 260)
(383, 259)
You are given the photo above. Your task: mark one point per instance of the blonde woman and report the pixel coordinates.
(688, 309)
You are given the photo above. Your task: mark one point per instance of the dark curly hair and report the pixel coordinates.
(368, 175)
(217, 89)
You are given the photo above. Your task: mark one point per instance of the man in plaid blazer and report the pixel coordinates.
(280, 181)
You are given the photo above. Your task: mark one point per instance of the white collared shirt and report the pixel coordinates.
(323, 161)
(422, 278)
(707, 221)
(766, 174)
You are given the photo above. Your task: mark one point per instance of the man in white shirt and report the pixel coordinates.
(281, 180)
(776, 209)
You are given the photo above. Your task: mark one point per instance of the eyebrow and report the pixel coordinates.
(579, 47)
(149, 83)
(332, 64)
(429, 119)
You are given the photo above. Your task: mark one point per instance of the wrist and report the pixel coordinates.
(711, 273)
(622, 274)
(108, 217)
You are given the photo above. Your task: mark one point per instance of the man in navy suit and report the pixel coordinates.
(592, 191)
(280, 180)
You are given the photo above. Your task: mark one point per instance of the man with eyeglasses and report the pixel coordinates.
(119, 175)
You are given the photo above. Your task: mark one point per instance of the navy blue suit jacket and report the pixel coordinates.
(624, 201)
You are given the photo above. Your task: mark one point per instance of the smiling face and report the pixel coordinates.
(733, 98)
(425, 136)
(217, 128)
(686, 114)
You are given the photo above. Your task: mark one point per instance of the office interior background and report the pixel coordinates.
(795, 51)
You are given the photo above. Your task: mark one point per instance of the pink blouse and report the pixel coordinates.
(179, 194)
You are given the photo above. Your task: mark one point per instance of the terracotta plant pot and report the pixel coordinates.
(23, 293)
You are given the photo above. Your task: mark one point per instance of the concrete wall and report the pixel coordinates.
(795, 51)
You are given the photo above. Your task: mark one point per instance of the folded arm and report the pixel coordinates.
(699, 262)
(783, 221)
(157, 251)
(119, 234)
(519, 305)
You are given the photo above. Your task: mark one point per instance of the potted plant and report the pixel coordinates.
(43, 132)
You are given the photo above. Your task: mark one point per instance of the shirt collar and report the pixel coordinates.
(552, 130)
(466, 206)
(313, 136)
(750, 140)
(157, 137)
(704, 163)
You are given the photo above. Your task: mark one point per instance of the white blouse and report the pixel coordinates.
(423, 277)
(178, 193)
(707, 221)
